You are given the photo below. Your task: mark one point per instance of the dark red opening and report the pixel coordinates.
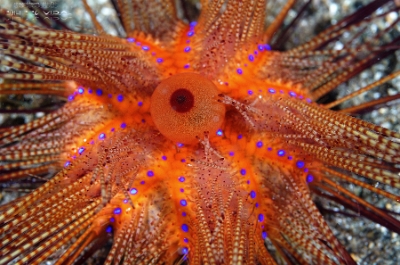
(182, 100)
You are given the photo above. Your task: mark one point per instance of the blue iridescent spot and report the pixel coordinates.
(300, 164)
(130, 39)
(264, 235)
(159, 60)
(219, 132)
(184, 214)
(231, 153)
(310, 178)
(70, 98)
(117, 210)
(183, 202)
(292, 94)
(81, 150)
(133, 191)
(140, 103)
(251, 58)
(164, 158)
(142, 182)
(185, 250)
(180, 145)
(150, 173)
(190, 33)
(123, 125)
(186, 66)
(240, 136)
(259, 144)
(99, 92)
(181, 190)
(185, 240)
(187, 49)
(250, 92)
(112, 219)
(248, 181)
(260, 47)
(112, 129)
(185, 228)
(90, 91)
(281, 152)
(102, 136)
(243, 171)
(68, 163)
(193, 23)
(260, 217)
(257, 204)
(252, 194)
(239, 71)
(81, 90)
(145, 48)
(109, 229)
(308, 100)
(290, 157)
(181, 179)
(183, 160)
(267, 47)
(271, 90)
(120, 98)
(269, 148)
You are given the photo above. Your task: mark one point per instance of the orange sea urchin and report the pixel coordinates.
(191, 142)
